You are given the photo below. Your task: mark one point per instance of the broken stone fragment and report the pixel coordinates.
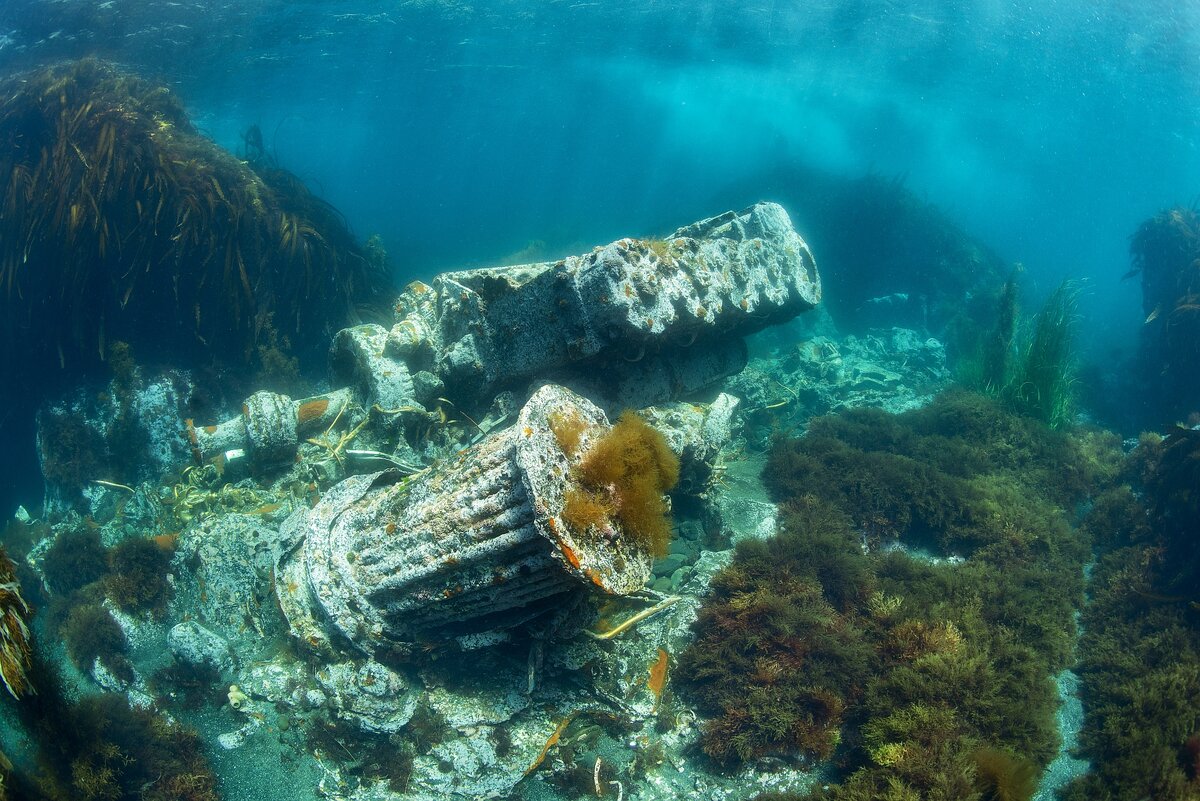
(196, 646)
(269, 428)
(368, 695)
(706, 284)
(361, 357)
(478, 544)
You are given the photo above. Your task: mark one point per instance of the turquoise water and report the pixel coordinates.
(924, 150)
(462, 131)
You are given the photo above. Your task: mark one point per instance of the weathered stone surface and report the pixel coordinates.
(374, 698)
(193, 645)
(726, 276)
(696, 432)
(135, 426)
(473, 545)
(224, 569)
(360, 357)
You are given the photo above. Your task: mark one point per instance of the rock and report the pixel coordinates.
(195, 646)
(496, 690)
(364, 357)
(130, 432)
(427, 387)
(668, 565)
(478, 544)
(678, 578)
(475, 770)
(894, 369)
(374, 698)
(224, 569)
(697, 291)
(696, 432)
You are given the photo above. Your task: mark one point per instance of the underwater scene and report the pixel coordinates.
(407, 400)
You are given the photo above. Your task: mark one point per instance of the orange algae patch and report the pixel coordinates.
(658, 676)
(550, 743)
(167, 541)
(624, 475)
(572, 557)
(312, 410)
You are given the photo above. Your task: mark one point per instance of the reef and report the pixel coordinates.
(611, 526)
(413, 570)
(910, 616)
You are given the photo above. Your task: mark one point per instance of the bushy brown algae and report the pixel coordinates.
(621, 478)
(921, 677)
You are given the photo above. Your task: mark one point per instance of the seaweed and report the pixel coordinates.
(138, 578)
(775, 662)
(1031, 369)
(77, 558)
(16, 655)
(120, 221)
(91, 634)
(1140, 649)
(116, 751)
(921, 677)
(1043, 386)
(622, 475)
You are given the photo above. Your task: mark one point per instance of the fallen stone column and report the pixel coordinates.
(727, 276)
(269, 428)
(476, 545)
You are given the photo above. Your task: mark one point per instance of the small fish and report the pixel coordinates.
(1153, 315)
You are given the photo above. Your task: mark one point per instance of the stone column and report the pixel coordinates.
(467, 548)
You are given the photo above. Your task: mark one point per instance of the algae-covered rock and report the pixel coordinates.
(369, 695)
(194, 645)
(128, 431)
(680, 299)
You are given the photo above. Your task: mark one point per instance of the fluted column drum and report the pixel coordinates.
(475, 545)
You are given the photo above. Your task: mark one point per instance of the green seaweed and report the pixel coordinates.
(921, 677)
(1031, 369)
(1140, 650)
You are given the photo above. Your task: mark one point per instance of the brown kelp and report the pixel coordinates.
(15, 612)
(1166, 253)
(120, 221)
(924, 671)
